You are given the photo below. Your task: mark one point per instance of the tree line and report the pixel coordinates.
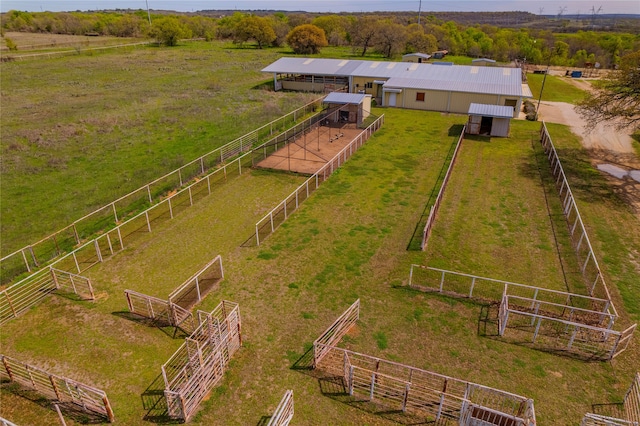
(387, 34)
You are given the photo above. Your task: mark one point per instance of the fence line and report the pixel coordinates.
(281, 212)
(284, 412)
(5, 422)
(112, 241)
(336, 331)
(630, 410)
(426, 233)
(176, 309)
(58, 389)
(409, 389)
(590, 268)
(35, 255)
(200, 363)
(16, 300)
(558, 320)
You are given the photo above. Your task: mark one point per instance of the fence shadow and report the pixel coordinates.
(264, 421)
(334, 387)
(169, 330)
(155, 404)
(305, 362)
(70, 410)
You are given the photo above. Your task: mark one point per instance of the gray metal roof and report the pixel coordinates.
(419, 55)
(487, 110)
(344, 98)
(314, 66)
(456, 78)
(483, 60)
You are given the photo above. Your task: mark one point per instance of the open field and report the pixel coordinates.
(151, 109)
(347, 241)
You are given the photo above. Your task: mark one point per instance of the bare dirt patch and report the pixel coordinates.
(605, 144)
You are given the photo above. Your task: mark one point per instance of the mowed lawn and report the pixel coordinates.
(502, 206)
(347, 241)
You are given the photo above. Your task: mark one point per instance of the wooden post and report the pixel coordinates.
(55, 387)
(108, 409)
(6, 367)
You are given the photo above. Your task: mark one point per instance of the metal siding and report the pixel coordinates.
(460, 102)
(436, 100)
(500, 127)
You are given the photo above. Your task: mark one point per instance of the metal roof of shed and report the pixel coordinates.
(487, 110)
(457, 78)
(419, 55)
(344, 98)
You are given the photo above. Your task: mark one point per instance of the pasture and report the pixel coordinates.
(499, 218)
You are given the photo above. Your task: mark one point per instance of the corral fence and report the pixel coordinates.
(16, 300)
(63, 392)
(590, 268)
(268, 224)
(315, 123)
(175, 311)
(416, 391)
(554, 319)
(36, 255)
(335, 332)
(5, 422)
(284, 412)
(200, 363)
(114, 240)
(630, 410)
(426, 233)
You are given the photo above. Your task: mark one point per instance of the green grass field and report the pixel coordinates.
(347, 241)
(556, 89)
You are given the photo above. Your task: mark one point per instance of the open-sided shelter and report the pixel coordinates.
(405, 85)
(350, 107)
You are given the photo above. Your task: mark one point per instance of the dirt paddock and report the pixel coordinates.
(309, 152)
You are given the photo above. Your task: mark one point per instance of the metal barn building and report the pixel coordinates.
(405, 85)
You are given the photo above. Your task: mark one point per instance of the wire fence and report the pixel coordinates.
(590, 268)
(426, 233)
(66, 393)
(197, 175)
(268, 224)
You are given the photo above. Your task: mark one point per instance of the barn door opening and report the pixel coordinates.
(485, 125)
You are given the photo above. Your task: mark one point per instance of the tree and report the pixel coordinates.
(616, 100)
(255, 28)
(391, 38)
(168, 31)
(306, 39)
(363, 32)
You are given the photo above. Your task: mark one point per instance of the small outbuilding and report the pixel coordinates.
(482, 62)
(490, 120)
(350, 107)
(416, 57)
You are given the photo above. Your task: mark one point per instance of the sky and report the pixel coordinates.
(546, 7)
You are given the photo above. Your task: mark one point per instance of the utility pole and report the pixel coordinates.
(419, 11)
(148, 13)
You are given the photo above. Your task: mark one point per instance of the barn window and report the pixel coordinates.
(369, 85)
(420, 97)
